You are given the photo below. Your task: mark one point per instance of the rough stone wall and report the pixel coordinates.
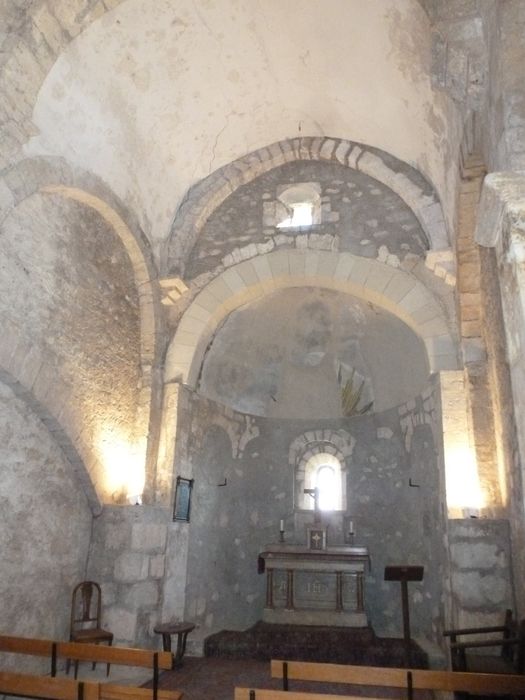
(244, 486)
(205, 197)
(45, 528)
(505, 116)
(470, 297)
(512, 287)
(504, 420)
(459, 52)
(127, 558)
(481, 571)
(477, 55)
(69, 292)
(359, 214)
(500, 225)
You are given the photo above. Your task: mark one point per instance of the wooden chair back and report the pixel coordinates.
(470, 647)
(86, 607)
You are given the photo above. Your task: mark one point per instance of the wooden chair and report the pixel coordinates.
(507, 641)
(85, 624)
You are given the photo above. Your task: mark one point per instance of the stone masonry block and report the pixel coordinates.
(131, 567)
(147, 537)
(354, 156)
(142, 595)
(327, 149)
(248, 274)
(279, 263)
(477, 555)
(122, 623)
(326, 266)
(342, 151)
(379, 277)
(315, 146)
(233, 280)
(198, 311)
(344, 266)
(219, 289)
(360, 271)
(157, 566)
(47, 24)
(297, 263)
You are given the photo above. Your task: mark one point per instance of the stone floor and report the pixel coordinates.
(235, 658)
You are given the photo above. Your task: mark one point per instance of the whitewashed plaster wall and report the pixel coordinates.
(153, 97)
(282, 356)
(45, 526)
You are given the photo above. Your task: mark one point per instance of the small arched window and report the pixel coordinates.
(300, 205)
(323, 471)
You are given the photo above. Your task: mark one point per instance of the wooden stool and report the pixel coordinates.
(181, 629)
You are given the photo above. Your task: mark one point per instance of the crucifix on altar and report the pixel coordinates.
(314, 493)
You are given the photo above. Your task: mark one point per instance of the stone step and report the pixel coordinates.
(266, 641)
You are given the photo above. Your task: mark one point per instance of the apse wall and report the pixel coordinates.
(45, 527)
(292, 353)
(243, 467)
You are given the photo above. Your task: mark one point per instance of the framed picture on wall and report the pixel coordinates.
(182, 505)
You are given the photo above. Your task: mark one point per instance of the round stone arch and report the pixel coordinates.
(55, 29)
(34, 381)
(310, 449)
(49, 175)
(388, 287)
(55, 176)
(204, 197)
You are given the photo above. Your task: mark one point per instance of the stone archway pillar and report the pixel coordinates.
(501, 226)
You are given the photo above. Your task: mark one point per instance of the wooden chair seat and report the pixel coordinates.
(92, 635)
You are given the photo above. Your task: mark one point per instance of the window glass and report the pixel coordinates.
(329, 489)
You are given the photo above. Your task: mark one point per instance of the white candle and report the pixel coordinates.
(351, 527)
(281, 525)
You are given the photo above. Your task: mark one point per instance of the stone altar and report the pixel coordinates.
(315, 587)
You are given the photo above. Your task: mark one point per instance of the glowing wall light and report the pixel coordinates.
(464, 493)
(124, 466)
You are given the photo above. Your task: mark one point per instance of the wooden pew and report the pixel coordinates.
(125, 656)
(264, 694)
(45, 687)
(66, 689)
(408, 679)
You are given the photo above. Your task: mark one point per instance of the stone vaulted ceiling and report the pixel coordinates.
(127, 108)
(152, 97)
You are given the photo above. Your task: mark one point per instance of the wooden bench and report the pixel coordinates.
(408, 679)
(510, 643)
(124, 656)
(66, 689)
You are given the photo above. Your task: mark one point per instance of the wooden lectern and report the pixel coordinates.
(404, 574)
